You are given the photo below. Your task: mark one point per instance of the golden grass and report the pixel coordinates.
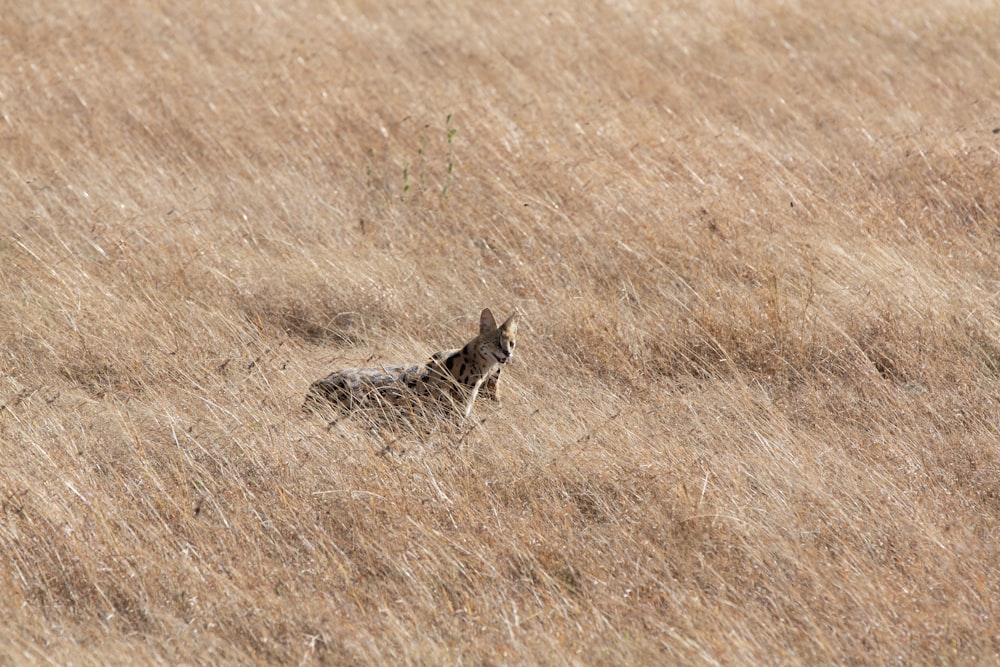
(754, 412)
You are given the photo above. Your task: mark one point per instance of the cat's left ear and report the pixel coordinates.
(510, 326)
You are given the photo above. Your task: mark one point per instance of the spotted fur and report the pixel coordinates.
(454, 377)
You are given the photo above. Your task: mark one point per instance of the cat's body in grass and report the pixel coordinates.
(453, 378)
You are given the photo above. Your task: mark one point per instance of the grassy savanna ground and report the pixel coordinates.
(753, 416)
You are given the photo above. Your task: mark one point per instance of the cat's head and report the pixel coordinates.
(497, 342)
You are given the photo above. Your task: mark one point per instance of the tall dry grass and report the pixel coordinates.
(754, 412)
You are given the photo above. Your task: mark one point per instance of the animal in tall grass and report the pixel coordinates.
(452, 378)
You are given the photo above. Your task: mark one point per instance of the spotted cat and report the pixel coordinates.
(454, 377)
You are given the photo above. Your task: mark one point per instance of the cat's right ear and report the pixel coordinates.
(487, 323)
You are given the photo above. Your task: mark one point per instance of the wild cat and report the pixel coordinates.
(454, 377)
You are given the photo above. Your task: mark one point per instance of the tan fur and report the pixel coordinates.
(454, 377)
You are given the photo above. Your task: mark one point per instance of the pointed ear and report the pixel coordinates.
(510, 326)
(486, 322)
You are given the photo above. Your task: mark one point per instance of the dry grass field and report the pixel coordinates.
(755, 411)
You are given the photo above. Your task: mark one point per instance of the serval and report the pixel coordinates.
(452, 377)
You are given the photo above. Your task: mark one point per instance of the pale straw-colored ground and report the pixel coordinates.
(753, 415)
